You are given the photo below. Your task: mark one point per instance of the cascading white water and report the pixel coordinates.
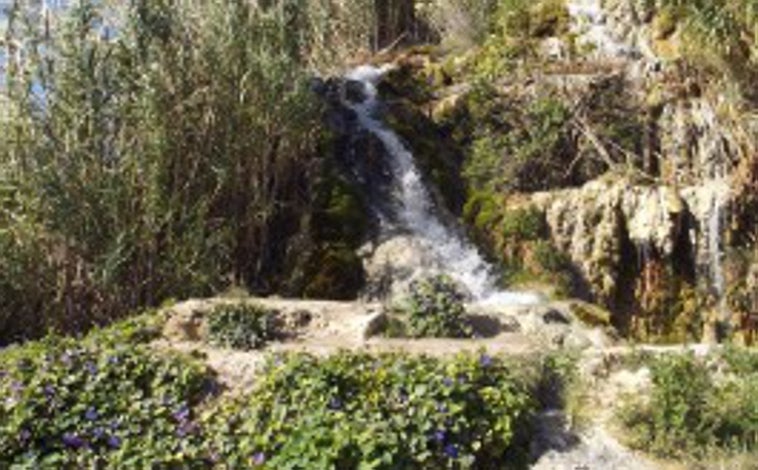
(714, 245)
(416, 212)
(590, 24)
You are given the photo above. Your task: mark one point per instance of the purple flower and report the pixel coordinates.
(114, 359)
(451, 451)
(186, 428)
(114, 442)
(485, 360)
(98, 433)
(24, 435)
(66, 358)
(49, 391)
(259, 458)
(335, 403)
(182, 414)
(91, 414)
(439, 436)
(448, 382)
(73, 441)
(91, 367)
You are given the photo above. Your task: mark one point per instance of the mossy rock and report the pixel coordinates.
(665, 24)
(342, 215)
(437, 156)
(484, 210)
(336, 273)
(549, 18)
(591, 315)
(409, 82)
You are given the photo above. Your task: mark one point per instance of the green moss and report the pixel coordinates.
(526, 224)
(342, 216)
(334, 272)
(591, 315)
(409, 82)
(436, 154)
(549, 18)
(483, 210)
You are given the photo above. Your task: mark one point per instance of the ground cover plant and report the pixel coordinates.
(106, 401)
(392, 411)
(111, 400)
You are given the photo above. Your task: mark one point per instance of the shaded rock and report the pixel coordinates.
(555, 316)
(375, 323)
(354, 91)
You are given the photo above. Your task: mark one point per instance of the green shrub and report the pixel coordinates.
(242, 326)
(334, 272)
(516, 28)
(391, 411)
(691, 414)
(435, 308)
(524, 224)
(520, 147)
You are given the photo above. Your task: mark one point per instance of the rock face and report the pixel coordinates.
(646, 243)
(606, 221)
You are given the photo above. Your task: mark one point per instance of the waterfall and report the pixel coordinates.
(444, 249)
(590, 25)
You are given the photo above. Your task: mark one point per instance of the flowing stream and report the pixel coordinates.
(444, 249)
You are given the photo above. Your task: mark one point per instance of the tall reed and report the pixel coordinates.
(151, 149)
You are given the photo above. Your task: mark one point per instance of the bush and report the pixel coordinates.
(524, 224)
(242, 326)
(436, 309)
(516, 29)
(691, 414)
(520, 147)
(392, 411)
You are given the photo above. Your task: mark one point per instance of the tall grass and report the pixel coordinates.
(155, 148)
(724, 34)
